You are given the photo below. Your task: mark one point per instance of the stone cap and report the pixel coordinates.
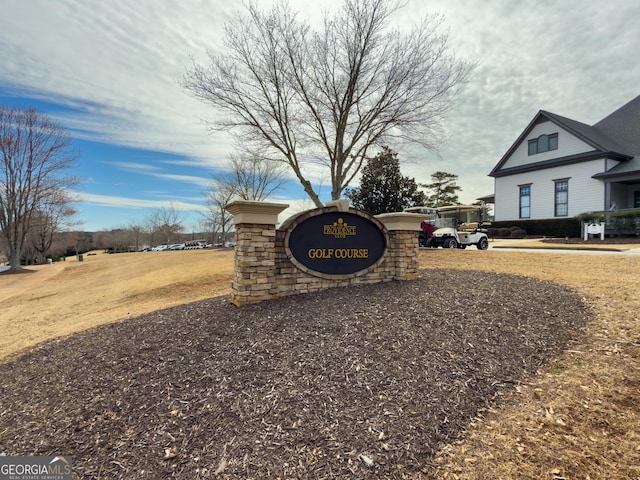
(341, 205)
(264, 213)
(401, 221)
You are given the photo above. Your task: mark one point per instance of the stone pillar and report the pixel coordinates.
(403, 231)
(255, 252)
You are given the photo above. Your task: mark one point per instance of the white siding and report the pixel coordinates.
(585, 193)
(568, 144)
(609, 164)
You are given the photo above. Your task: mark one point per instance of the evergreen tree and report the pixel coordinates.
(442, 190)
(382, 187)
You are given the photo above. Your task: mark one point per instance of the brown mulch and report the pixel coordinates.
(366, 382)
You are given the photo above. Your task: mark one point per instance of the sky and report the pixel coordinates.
(110, 72)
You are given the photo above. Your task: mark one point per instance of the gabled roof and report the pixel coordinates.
(598, 139)
(616, 136)
(623, 126)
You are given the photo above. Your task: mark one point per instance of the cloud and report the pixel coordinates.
(117, 65)
(114, 68)
(156, 172)
(573, 58)
(124, 202)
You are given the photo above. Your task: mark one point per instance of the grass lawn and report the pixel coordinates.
(577, 418)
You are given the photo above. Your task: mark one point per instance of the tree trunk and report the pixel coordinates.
(14, 261)
(311, 192)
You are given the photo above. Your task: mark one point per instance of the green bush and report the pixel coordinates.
(589, 217)
(499, 232)
(517, 232)
(507, 232)
(626, 222)
(554, 227)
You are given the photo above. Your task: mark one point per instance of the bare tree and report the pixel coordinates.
(327, 97)
(54, 215)
(35, 153)
(136, 232)
(149, 224)
(165, 224)
(218, 196)
(125, 238)
(251, 176)
(114, 240)
(78, 242)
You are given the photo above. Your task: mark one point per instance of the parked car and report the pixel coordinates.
(160, 248)
(195, 244)
(176, 246)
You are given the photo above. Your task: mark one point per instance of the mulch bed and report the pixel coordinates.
(595, 240)
(366, 382)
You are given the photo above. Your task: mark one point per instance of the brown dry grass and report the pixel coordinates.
(72, 296)
(579, 418)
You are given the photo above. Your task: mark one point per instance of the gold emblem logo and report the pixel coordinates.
(340, 229)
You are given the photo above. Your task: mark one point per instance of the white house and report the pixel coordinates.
(560, 167)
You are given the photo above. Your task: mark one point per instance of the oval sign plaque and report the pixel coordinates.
(337, 243)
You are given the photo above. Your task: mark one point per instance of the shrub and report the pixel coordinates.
(626, 222)
(517, 232)
(589, 217)
(507, 232)
(555, 227)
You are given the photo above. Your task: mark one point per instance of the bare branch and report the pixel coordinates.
(307, 97)
(35, 153)
(251, 176)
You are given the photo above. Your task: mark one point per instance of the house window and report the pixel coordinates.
(525, 201)
(636, 199)
(562, 198)
(543, 143)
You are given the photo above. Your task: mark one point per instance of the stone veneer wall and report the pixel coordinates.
(263, 270)
(254, 278)
(400, 263)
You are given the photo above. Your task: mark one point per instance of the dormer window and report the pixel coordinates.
(543, 143)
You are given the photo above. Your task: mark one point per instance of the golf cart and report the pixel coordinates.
(429, 225)
(454, 226)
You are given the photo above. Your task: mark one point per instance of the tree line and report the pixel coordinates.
(304, 102)
(36, 213)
